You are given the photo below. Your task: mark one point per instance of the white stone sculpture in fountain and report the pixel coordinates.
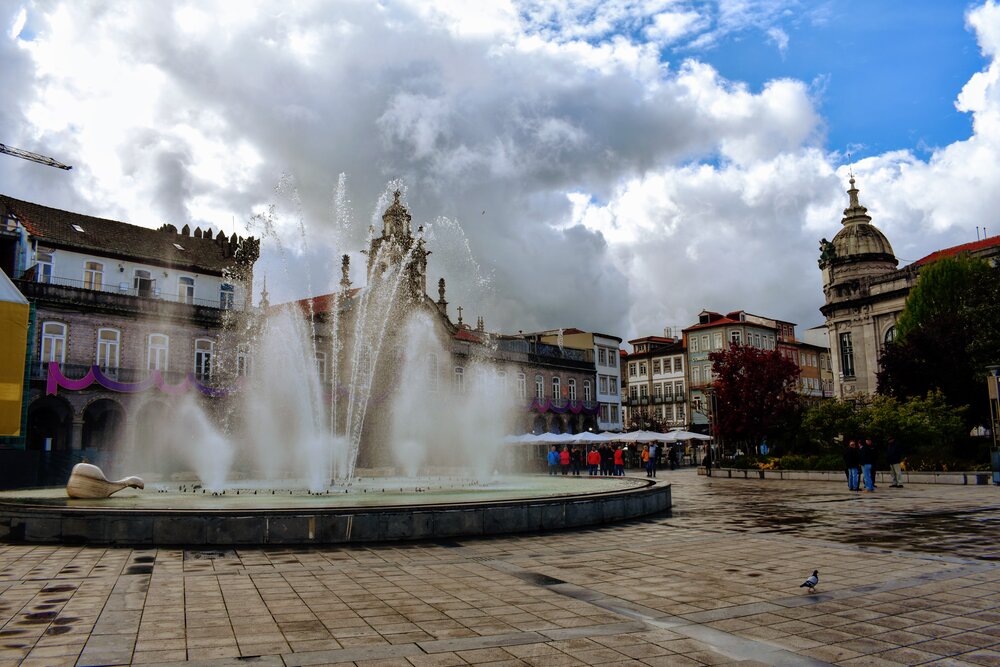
(88, 481)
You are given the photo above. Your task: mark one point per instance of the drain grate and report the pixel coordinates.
(538, 579)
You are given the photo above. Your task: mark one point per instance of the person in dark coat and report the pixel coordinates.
(575, 460)
(606, 458)
(852, 462)
(708, 461)
(867, 455)
(894, 457)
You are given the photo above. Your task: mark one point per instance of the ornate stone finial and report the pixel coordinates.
(480, 324)
(345, 273)
(441, 291)
(396, 219)
(855, 212)
(459, 316)
(264, 302)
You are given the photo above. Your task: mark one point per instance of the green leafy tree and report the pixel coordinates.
(754, 392)
(824, 422)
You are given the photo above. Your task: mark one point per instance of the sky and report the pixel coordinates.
(616, 166)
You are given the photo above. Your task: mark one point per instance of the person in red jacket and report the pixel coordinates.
(619, 462)
(564, 460)
(593, 461)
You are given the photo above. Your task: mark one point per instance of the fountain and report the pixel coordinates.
(376, 446)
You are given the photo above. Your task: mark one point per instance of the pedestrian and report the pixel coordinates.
(606, 455)
(672, 458)
(593, 461)
(553, 459)
(619, 462)
(564, 460)
(654, 452)
(867, 456)
(852, 460)
(645, 458)
(894, 457)
(576, 460)
(708, 461)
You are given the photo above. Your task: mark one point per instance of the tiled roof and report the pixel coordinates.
(715, 323)
(972, 247)
(324, 303)
(55, 228)
(465, 334)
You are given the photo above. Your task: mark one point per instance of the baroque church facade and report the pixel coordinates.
(865, 292)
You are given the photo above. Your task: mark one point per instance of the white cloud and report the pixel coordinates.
(594, 184)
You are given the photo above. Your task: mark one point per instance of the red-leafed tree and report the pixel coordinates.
(755, 392)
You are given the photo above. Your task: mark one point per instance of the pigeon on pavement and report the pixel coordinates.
(811, 582)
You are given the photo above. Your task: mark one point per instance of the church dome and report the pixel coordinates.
(859, 239)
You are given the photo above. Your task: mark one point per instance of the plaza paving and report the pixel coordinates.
(908, 576)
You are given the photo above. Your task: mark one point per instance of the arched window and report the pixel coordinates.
(890, 335)
(571, 386)
(108, 343)
(556, 387)
(502, 382)
(459, 380)
(203, 351)
(158, 352)
(587, 395)
(539, 386)
(53, 342)
(522, 386)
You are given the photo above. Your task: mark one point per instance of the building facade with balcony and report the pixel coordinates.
(603, 350)
(715, 332)
(114, 304)
(655, 384)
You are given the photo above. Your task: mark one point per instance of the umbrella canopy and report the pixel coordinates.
(588, 438)
(680, 434)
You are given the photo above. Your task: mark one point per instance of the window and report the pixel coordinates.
(668, 412)
(642, 369)
(602, 356)
(604, 412)
(502, 382)
(643, 391)
(522, 386)
(668, 389)
(890, 335)
(633, 392)
(157, 352)
(243, 361)
(678, 364)
(846, 354)
(631, 370)
(93, 275)
(586, 391)
(704, 343)
(734, 337)
(203, 350)
(53, 342)
(43, 262)
(320, 366)
(656, 366)
(571, 385)
(432, 372)
(717, 340)
(108, 341)
(613, 386)
(143, 283)
(679, 390)
(186, 290)
(613, 358)
(602, 384)
(657, 390)
(756, 340)
(696, 404)
(556, 385)
(614, 413)
(459, 380)
(227, 294)
(680, 413)
(694, 343)
(539, 386)
(696, 375)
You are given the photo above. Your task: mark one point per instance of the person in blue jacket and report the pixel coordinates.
(553, 459)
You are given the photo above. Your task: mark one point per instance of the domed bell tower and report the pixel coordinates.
(398, 247)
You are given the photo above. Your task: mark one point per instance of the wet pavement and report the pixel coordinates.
(907, 576)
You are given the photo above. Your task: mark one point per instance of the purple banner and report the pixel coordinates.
(56, 379)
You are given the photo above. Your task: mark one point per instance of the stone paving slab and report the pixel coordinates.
(909, 576)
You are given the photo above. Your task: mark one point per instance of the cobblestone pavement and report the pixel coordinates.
(907, 576)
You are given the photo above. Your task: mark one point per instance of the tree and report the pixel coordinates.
(825, 421)
(947, 334)
(754, 392)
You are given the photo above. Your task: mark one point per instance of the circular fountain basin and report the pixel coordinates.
(371, 510)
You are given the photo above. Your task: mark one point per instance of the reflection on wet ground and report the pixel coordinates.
(927, 518)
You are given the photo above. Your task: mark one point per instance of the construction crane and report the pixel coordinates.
(34, 157)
